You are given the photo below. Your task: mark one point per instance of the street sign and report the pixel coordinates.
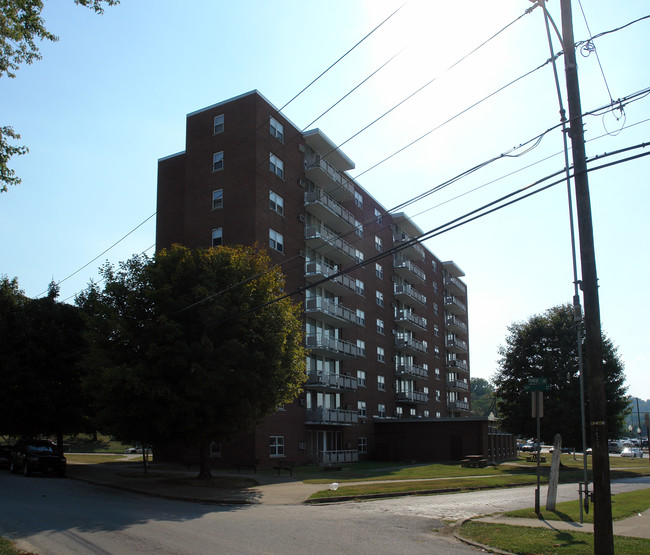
(536, 384)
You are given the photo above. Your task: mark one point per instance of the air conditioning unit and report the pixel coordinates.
(301, 218)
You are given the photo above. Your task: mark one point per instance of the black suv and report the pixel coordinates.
(36, 455)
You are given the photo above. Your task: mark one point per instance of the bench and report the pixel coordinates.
(284, 465)
(247, 463)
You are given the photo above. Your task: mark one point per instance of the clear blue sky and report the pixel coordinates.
(111, 96)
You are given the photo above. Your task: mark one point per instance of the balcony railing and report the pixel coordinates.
(413, 249)
(407, 291)
(324, 207)
(332, 347)
(325, 380)
(408, 344)
(411, 370)
(457, 405)
(407, 268)
(454, 363)
(457, 384)
(455, 345)
(454, 305)
(332, 416)
(412, 397)
(410, 321)
(328, 178)
(330, 312)
(454, 285)
(454, 323)
(335, 457)
(343, 284)
(319, 237)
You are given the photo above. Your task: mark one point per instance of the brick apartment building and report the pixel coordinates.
(386, 341)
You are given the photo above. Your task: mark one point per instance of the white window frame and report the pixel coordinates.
(219, 124)
(217, 161)
(217, 199)
(276, 129)
(217, 234)
(378, 216)
(381, 329)
(381, 354)
(379, 296)
(361, 346)
(362, 409)
(379, 244)
(276, 447)
(361, 317)
(358, 199)
(381, 410)
(362, 445)
(361, 378)
(276, 241)
(276, 165)
(379, 270)
(381, 383)
(276, 203)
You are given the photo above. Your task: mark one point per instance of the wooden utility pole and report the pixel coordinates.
(603, 531)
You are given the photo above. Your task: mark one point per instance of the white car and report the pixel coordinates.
(632, 452)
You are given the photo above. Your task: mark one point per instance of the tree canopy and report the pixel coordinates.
(192, 345)
(21, 26)
(482, 392)
(40, 375)
(546, 346)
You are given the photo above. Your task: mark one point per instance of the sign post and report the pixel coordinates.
(536, 386)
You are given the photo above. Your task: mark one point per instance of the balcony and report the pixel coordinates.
(328, 178)
(457, 405)
(455, 324)
(324, 381)
(340, 285)
(409, 345)
(454, 286)
(331, 245)
(330, 212)
(412, 249)
(457, 385)
(331, 347)
(408, 294)
(455, 345)
(407, 269)
(453, 305)
(456, 364)
(410, 321)
(335, 417)
(412, 397)
(337, 457)
(411, 371)
(329, 312)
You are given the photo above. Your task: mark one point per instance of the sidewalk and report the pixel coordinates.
(276, 490)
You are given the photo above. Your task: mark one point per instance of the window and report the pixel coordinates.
(413, 412)
(359, 287)
(217, 161)
(381, 410)
(276, 446)
(436, 351)
(276, 166)
(378, 244)
(435, 308)
(437, 372)
(362, 444)
(437, 415)
(276, 203)
(361, 408)
(378, 216)
(399, 411)
(379, 271)
(361, 317)
(380, 298)
(436, 330)
(381, 355)
(276, 241)
(435, 287)
(425, 390)
(361, 378)
(380, 326)
(358, 229)
(276, 129)
(217, 237)
(438, 395)
(426, 413)
(218, 124)
(217, 199)
(358, 199)
(361, 346)
(381, 383)
(435, 265)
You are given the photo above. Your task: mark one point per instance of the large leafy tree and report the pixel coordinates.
(546, 346)
(482, 392)
(21, 26)
(40, 374)
(192, 345)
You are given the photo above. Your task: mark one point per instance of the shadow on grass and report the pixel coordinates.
(569, 540)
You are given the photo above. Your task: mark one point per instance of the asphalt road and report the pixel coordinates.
(49, 515)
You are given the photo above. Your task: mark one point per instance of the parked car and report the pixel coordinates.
(530, 446)
(632, 452)
(36, 455)
(613, 447)
(137, 449)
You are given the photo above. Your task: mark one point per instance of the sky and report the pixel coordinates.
(111, 96)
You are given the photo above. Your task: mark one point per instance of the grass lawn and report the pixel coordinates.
(7, 548)
(539, 541)
(83, 443)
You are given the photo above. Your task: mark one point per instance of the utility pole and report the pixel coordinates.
(603, 531)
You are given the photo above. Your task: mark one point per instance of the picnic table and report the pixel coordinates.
(474, 461)
(533, 458)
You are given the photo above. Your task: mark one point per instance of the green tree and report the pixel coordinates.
(192, 345)
(482, 392)
(21, 25)
(545, 346)
(40, 375)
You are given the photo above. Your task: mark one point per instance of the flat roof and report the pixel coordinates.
(321, 143)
